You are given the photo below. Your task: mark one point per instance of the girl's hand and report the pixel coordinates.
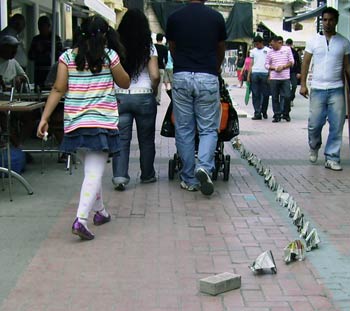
(42, 128)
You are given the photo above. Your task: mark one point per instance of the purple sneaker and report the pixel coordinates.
(80, 230)
(99, 219)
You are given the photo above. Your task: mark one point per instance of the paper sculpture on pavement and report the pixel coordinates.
(294, 251)
(298, 218)
(304, 232)
(263, 262)
(312, 240)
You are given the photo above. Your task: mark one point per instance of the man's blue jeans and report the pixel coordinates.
(261, 92)
(142, 108)
(280, 89)
(327, 105)
(196, 111)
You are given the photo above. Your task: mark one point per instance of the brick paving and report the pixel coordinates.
(162, 239)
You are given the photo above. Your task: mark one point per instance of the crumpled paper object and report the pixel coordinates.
(294, 251)
(312, 240)
(263, 262)
(304, 232)
(298, 218)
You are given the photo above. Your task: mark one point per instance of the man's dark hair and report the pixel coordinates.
(277, 38)
(16, 21)
(159, 37)
(258, 39)
(332, 11)
(289, 41)
(43, 20)
(16, 18)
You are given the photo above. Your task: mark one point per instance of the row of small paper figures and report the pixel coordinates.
(292, 252)
(311, 238)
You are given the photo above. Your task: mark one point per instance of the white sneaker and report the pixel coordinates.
(207, 187)
(333, 165)
(313, 155)
(191, 188)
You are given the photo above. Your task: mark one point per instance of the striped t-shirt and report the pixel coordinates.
(90, 101)
(279, 58)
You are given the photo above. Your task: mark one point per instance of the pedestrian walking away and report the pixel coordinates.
(168, 75)
(196, 36)
(162, 52)
(86, 76)
(138, 102)
(294, 71)
(330, 51)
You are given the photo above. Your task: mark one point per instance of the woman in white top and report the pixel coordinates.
(138, 102)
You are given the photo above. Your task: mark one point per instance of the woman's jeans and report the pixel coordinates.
(197, 112)
(327, 105)
(142, 108)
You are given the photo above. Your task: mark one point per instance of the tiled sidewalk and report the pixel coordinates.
(162, 239)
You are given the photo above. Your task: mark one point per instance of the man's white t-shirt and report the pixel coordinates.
(9, 69)
(259, 56)
(328, 60)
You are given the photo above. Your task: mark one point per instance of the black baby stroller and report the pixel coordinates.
(229, 128)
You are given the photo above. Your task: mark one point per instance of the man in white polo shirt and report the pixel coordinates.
(330, 52)
(258, 77)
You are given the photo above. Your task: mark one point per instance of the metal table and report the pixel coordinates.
(8, 107)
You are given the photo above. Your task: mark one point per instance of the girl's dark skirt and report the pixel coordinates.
(91, 139)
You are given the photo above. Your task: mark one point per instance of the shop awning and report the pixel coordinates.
(239, 23)
(98, 7)
(299, 37)
(164, 10)
(313, 13)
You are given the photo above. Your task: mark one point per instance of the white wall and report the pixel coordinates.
(344, 19)
(3, 14)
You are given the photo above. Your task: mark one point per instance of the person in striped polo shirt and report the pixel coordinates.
(86, 76)
(278, 61)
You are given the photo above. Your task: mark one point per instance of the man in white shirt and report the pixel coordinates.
(10, 70)
(258, 77)
(15, 27)
(330, 52)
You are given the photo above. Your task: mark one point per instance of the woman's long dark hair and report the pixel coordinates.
(135, 35)
(93, 37)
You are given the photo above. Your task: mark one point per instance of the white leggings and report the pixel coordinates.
(91, 189)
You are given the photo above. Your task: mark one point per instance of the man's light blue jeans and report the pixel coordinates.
(327, 105)
(197, 111)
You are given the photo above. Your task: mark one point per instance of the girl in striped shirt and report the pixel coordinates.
(86, 76)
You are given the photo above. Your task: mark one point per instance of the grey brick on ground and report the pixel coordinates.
(220, 283)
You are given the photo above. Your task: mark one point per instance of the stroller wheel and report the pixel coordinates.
(214, 175)
(226, 170)
(171, 169)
